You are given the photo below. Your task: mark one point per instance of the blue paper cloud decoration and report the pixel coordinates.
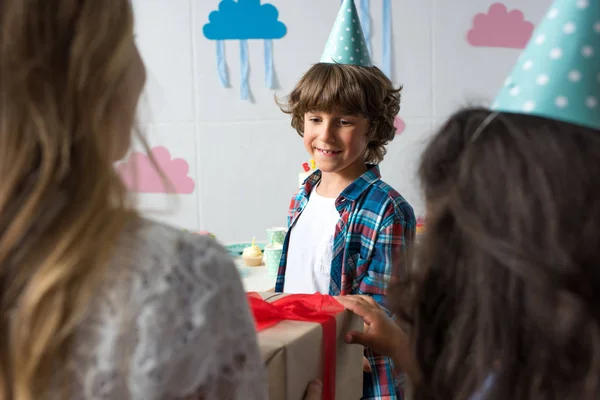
(244, 19)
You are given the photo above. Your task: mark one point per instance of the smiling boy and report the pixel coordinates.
(347, 226)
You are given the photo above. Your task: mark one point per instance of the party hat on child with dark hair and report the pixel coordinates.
(347, 44)
(558, 73)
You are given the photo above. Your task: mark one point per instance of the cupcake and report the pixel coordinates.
(252, 255)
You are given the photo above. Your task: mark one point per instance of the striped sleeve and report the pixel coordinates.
(391, 242)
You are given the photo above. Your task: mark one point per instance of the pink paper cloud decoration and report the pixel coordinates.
(500, 28)
(399, 125)
(139, 175)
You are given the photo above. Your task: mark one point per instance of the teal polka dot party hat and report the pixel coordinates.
(347, 44)
(558, 74)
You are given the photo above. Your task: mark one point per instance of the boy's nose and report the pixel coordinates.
(327, 134)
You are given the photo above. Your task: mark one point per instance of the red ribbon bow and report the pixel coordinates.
(316, 308)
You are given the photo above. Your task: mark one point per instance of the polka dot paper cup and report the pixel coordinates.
(272, 256)
(276, 235)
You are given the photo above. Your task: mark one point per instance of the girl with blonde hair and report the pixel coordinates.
(97, 302)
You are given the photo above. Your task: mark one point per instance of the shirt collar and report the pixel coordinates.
(354, 190)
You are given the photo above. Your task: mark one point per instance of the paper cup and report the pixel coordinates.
(276, 235)
(272, 255)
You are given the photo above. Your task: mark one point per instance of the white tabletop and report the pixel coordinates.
(255, 279)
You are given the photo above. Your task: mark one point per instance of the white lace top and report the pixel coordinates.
(171, 321)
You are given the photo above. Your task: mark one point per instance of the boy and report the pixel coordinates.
(347, 226)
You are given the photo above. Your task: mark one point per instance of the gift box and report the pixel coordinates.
(301, 337)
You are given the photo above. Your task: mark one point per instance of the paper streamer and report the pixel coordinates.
(387, 38)
(365, 20)
(269, 64)
(222, 64)
(244, 69)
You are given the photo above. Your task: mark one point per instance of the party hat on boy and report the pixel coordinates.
(347, 44)
(558, 73)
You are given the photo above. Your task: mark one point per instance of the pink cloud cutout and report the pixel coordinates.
(399, 125)
(139, 175)
(500, 28)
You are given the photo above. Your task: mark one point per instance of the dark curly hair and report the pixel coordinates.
(354, 90)
(506, 281)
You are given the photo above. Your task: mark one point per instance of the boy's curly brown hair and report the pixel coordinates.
(353, 90)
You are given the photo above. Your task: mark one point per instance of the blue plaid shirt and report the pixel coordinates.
(376, 224)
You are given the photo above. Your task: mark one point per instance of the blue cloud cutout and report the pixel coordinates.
(244, 19)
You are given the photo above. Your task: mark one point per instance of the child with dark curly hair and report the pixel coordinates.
(503, 300)
(346, 224)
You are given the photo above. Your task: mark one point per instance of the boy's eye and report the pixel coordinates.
(313, 119)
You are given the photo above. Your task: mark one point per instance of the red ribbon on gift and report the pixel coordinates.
(316, 308)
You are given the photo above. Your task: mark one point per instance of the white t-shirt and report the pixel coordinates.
(310, 249)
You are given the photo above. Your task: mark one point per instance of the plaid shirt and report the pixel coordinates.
(375, 224)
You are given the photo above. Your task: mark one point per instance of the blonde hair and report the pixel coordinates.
(354, 90)
(64, 67)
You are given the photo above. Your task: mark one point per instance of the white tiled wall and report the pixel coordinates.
(243, 155)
